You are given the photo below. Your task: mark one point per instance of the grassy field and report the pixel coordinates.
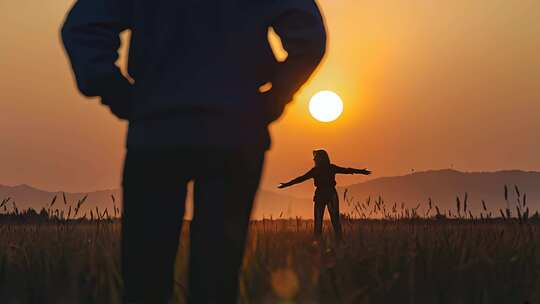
(383, 261)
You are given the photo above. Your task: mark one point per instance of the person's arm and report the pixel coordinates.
(297, 180)
(342, 170)
(301, 28)
(91, 38)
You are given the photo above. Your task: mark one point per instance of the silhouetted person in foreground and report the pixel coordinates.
(196, 113)
(324, 177)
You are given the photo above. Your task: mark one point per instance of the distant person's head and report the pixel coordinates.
(321, 159)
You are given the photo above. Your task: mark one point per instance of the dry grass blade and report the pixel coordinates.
(69, 212)
(53, 201)
(15, 207)
(526, 215)
(5, 201)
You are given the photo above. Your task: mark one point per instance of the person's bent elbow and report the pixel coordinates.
(320, 46)
(81, 71)
(320, 38)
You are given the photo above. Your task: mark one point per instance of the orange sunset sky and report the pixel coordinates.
(426, 84)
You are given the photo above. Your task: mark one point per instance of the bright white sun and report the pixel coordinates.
(325, 106)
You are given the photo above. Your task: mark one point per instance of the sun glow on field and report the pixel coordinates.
(326, 106)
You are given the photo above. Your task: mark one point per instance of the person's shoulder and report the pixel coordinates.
(335, 168)
(288, 4)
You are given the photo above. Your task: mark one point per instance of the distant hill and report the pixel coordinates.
(26, 196)
(442, 186)
(268, 203)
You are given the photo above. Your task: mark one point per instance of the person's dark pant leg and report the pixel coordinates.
(224, 191)
(318, 214)
(333, 209)
(154, 188)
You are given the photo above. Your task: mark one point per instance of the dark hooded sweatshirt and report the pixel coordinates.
(196, 65)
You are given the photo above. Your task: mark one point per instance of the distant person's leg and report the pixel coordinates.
(154, 187)
(318, 214)
(333, 209)
(224, 192)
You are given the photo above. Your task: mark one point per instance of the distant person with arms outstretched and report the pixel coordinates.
(324, 177)
(197, 112)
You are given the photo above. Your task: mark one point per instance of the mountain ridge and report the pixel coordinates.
(444, 185)
(440, 185)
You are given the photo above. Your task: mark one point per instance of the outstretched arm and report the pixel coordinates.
(342, 170)
(297, 180)
(300, 26)
(91, 38)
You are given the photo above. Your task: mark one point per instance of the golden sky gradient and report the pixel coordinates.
(425, 84)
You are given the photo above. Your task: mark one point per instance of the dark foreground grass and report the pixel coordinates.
(406, 261)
